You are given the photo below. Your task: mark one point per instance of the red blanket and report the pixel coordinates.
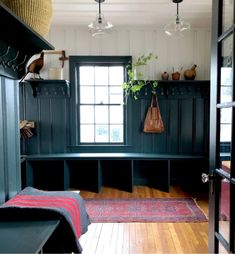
(70, 205)
(66, 206)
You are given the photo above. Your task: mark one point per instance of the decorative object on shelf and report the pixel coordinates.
(63, 57)
(25, 128)
(56, 73)
(153, 122)
(100, 27)
(136, 80)
(176, 74)
(165, 75)
(35, 67)
(178, 27)
(35, 13)
(190, 74)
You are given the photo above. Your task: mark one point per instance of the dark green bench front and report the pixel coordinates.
(25, 236)
(88, 169)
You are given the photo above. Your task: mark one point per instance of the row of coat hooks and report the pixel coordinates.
(15, 63)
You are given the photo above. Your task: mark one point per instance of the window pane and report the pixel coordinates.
(101, 114)
(228, 7)
(86, 114)
(226, 93)
(87, 133)
(225, 132)
(116, 133)
(87, 94)
(116, 95)
(116, 76)
(226, 115)
(116, 114)
(101, 133)
(86, 75)
(101, 94)
(101, 76)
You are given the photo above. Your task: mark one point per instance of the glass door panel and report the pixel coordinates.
(227, 20)
(224, 209)
(222, 250)
(226, 90)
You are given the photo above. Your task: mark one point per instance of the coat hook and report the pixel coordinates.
(16, 67)
(12, 60)
(4, 54)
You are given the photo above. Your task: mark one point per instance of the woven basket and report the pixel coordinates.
(35, 13)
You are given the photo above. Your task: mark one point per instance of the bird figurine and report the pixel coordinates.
(35, 67)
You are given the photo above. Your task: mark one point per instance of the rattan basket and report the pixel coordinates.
(35, 13)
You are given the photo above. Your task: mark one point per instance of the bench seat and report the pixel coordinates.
(91, 167)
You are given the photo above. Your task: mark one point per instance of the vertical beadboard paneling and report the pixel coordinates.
(60, 123)
(2, 144)
(12, 155)
(123, 46)
(45, 113)
(172, 126)
(10, 176)
(51, 117)
(136, 41)
(31, 113)
(186, 128)
(83, 42)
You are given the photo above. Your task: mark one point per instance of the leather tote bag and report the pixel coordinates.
(153, 121)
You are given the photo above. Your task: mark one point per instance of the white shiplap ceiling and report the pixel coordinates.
(132, 12)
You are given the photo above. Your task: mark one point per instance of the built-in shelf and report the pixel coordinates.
(179, 88)
(18, 43)
(49, 88)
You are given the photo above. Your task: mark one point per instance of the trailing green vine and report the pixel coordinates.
(136, 81)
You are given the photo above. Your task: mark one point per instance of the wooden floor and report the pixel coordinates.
(146, 238)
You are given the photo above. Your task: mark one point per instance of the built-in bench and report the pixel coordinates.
(92, 170)
(25, 236)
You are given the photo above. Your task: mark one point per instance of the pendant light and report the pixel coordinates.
(100, 27)
(178, 27)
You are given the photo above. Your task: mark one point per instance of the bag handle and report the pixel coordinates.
(154, 101)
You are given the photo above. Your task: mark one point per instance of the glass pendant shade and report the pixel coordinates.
(178, 27)
(100, 27)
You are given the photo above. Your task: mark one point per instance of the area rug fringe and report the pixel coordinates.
(195, 201)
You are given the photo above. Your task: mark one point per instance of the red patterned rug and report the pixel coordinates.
(144, 210)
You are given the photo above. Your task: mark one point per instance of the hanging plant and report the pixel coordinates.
(136, 81)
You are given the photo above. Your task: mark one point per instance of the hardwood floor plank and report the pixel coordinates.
(146, 238)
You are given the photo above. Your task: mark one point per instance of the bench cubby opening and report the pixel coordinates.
(46, 175)
(118, 174)
(153, 173)
(84, 174)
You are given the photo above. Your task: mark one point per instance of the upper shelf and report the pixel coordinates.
(18, 43)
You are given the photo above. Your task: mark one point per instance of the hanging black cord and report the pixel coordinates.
(100, 18)
(177, 14)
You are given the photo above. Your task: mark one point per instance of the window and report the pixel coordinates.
(100, 100)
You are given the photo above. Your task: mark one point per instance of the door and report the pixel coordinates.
(222, 130)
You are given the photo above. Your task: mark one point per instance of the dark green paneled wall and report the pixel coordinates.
(10, 176)
(184, 106)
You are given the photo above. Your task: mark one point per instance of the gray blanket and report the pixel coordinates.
(34, 204)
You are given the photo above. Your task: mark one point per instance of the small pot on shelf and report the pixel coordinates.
(175, 75)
